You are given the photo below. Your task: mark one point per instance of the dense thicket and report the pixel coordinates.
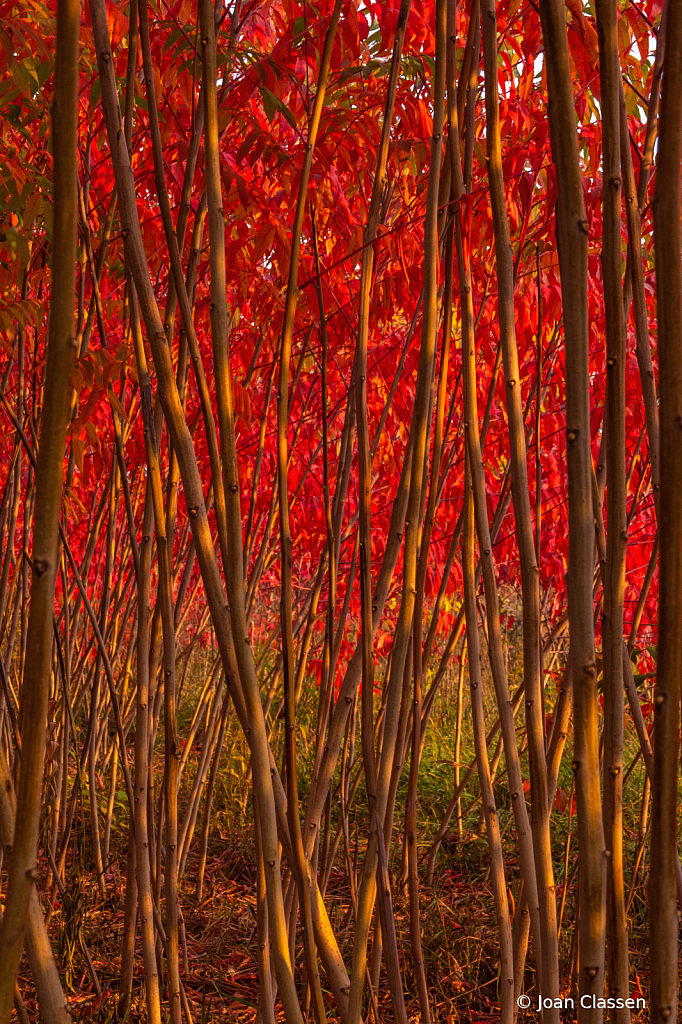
(349, 394)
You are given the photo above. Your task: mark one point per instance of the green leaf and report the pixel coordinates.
(95, 92)
(300, 28)
(172, 39)
(268, 104)
(272, 104)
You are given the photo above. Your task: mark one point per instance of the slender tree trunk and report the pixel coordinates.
(208, 803)
(616, 532)
(634, 277)
(378, 781)
(488, 568)
(266, 993)
(497, 877)
(142, 719)
(664, 924)
(530, 584)
(293, 812)
(61, 351)
(52, 1002)
(129, 931)
(572, 244)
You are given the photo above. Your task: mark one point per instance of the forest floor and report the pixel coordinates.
(218, 957)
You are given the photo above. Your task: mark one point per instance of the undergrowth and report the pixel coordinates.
(218, 958)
